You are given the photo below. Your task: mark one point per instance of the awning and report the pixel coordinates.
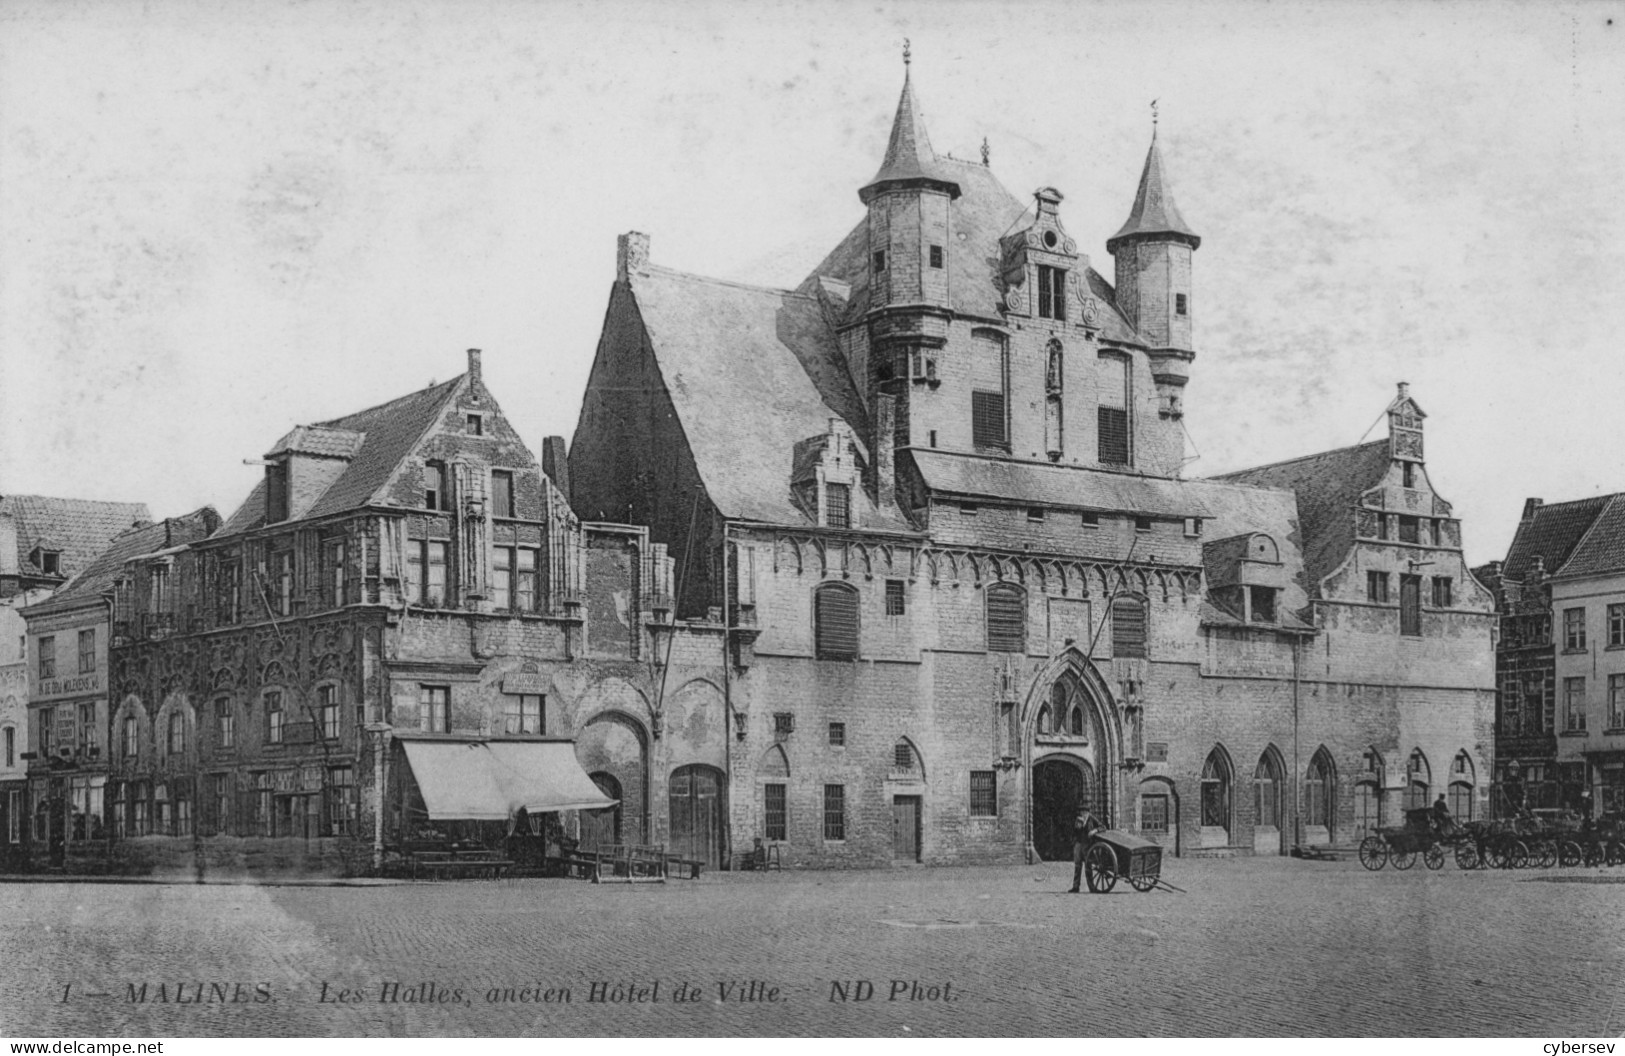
(491, 780)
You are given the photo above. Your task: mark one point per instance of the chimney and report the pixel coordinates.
(1530, 506)
(631, 254)
(555, 465)
(884, 453)
(8, 543)
(474, 366)
(1404, 389)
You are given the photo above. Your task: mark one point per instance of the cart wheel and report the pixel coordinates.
(1143, 884)
(1373, 853)
(1570, 853)
(1495, 854)
(1402, 859)
(1594, 854)
(1433, 857)
(1616, 853)
(1517, 855)
(1467, 855)
(1100, 868)
(1544, 853)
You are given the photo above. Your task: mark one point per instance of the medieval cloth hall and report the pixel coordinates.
(935, 491)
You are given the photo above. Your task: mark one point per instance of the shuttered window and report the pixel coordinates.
(1006, 619)
(1114, 436)
(987, 419)
(1128, 627)
(835, 612)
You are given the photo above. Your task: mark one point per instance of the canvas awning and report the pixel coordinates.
(491, 780)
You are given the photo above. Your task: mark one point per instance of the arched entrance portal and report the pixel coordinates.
(696, 813)
(1060, 785)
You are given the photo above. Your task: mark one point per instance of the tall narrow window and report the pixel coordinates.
(327, 701)
(502, 493)
(987, 419)
(131, 745)
(1574, 705)
(333, 573)
(502, 576)
(1410, 605)
(1407, 474)
(47, 656)
(773, 811)
(838, 505)
(282, 583)
(435, 702)
(87, 651)
(895, 603)
(1376, 587)
(1181, 304)
(1441, 592)
(1574, 629)
(1616, 625)
(177, 733)
(274, 724)
(436, 492)
(225, 724)
(989, 382)
(1128, 627)
(1051, 292)
(476, 424)
(276, 492)
(1616, 704)
(1006, 618)
(1112, 418)
(1054, 380)
(984, 794)
(341, 800)
(88, 727)
(835, 618)
(228, 590)
(834, 812)
(526, 585)
(936, 256)
(11, 747)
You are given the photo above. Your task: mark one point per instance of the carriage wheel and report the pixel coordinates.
(1100, 868)
(1143, 884)
(1593, 854)
(1495, 853)
(1570, 853)
(1373, 853)
(1467, 855)
(1544, 853)
(1616, 853)
(1433, 857)
(1402, 859)
(1517, 855)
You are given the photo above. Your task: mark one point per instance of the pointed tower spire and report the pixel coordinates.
(1154, 211)
(909, 161)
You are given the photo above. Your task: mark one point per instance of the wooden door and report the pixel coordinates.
(905, 828)
(696, 814)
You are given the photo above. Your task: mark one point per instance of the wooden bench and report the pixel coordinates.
(444, 865)
(577, 865)
(685, 868)
(629, 863)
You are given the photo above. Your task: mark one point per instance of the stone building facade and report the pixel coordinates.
(404, 599)
(935, 490)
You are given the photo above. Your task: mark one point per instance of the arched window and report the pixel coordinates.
(1418, 779)
(1006, 619)
(1216, 781)
(1267, 791)
(1075, 721)
(1046, 719)
(1461, 787)
(1128, 627)
(835, 618)
(130, 740)
(177, 733)
(1320, 791)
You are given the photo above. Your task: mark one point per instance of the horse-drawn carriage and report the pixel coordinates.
(1422, 836)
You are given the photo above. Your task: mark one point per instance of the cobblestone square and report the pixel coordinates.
(1256, 946)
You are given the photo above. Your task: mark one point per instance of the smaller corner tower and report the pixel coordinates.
(1152, 252)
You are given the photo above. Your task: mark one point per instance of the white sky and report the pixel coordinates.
(221, 220)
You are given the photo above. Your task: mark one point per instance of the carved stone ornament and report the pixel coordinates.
(1014, 300)
(1408, 444)
(1091, 311)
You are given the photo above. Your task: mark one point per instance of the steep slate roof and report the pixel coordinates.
(1551, 535)
(1328, 486)
(80, 528)
(909, 157)
(751, 372)
(1601, 551)
(380, 438)
(1234, 509)
(97, 579)
(1154, 211)
(1088, 489)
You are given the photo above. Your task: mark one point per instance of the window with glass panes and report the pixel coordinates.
(1574, 705)
(88, 727)
(177, 733)
(435, 704)
(513, 578)
(984, 794)
(501, 493)
(333, 581)
(47, 657)
(327, 710)
(426, 572)
(837, 734)
(1574, 628)
(131, 742)
(1376, 587)
(1616, 702)
(834, 812)
(1153, 812)
(1616, 625)
(774, 814)
(894, 597)
(274, 718)
(224, 822)
(1442, 588)
(87, 651)
(838, 505)
(341, 800)
(522, 713)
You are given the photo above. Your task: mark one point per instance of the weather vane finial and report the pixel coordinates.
(906, 55)
(1153, 116)
(985, 152)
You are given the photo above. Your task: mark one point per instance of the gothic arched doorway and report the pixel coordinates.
(696, 794)
(1060, 785)
(600, 828)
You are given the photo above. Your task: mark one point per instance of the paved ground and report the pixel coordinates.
(1257, 946)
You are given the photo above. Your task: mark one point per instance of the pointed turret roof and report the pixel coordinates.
(909, 157)
(1154, 212)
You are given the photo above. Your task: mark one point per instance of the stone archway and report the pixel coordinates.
(1072, 745)
(1061, 784)
(615, 744)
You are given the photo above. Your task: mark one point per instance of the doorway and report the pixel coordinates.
(601, 828)
(1060, 787)
(696, 813)
(905, 828)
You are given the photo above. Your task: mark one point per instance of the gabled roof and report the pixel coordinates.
(751, 372)
(1068, 486)
(1238, 509)
(378, 439)
(909, 158)
(97, 579)
(78, 528)
(1601, 551)
(1328, 486)
(1552, 535)
(1154, 211)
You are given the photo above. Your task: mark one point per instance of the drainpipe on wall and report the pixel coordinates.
(1297, 781)
(727, 704)
(378, 730)
(107, 745)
